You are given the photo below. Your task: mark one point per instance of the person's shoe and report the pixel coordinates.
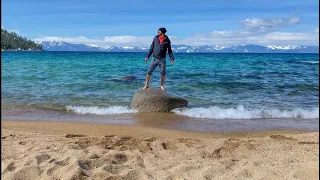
(162, 88)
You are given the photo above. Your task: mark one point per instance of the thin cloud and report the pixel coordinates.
(246, 37)
(285, 38)
(255, 31)
(125, 40)
(267, 25)
(209, 38)
(108, 40)
(294, 20)
(11, 30)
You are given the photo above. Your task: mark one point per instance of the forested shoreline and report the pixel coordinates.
(10, 41)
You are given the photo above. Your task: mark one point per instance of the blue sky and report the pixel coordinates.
(193, 22)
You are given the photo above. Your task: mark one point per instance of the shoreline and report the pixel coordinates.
(18, 50)
(170, 121)
(96, 128)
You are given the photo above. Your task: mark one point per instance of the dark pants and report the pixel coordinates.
(154, 63)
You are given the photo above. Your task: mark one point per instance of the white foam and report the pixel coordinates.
(310, 62)
(241, 112)
(100, 110)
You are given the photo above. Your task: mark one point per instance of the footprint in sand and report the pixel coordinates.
(63, 162)
(115, 169)
(229, 146)
(145, 147)
(137, 174)
(113, 178)
(9, 168)
(120, 158)
(247, 173)
(307, 142)
(11, 135)
(42, 158)
(74, 135)
(76, 173)
(84, 164)
(22, 142)
(97, 163)
(282, 137)
(188, 142)
(50, 171)
(128, 143)
(27, 173)
(169, 146)
(94, 156)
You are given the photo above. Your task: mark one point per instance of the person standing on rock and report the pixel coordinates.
(160, 44)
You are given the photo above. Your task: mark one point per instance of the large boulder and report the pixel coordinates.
(156, 100)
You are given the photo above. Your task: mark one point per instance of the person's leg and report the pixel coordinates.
(146, 85)
(162, 65)
(153, 65)
(163, 77)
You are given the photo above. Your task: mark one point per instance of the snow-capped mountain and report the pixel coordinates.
(249, 48)
(285, 47)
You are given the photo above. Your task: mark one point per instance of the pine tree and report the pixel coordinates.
(11, 41)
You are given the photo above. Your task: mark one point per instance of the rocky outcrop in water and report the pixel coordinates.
(156, 100)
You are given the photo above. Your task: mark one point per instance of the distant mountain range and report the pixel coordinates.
(250, 48)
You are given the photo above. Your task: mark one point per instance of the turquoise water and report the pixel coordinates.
(217, 86)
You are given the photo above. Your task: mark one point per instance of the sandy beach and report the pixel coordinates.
(69, 150)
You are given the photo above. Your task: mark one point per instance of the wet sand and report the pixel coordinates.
(79, 150)
(164, 120)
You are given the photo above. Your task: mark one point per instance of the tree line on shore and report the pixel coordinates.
(11, 41)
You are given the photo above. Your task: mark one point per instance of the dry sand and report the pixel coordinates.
(62, 150)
